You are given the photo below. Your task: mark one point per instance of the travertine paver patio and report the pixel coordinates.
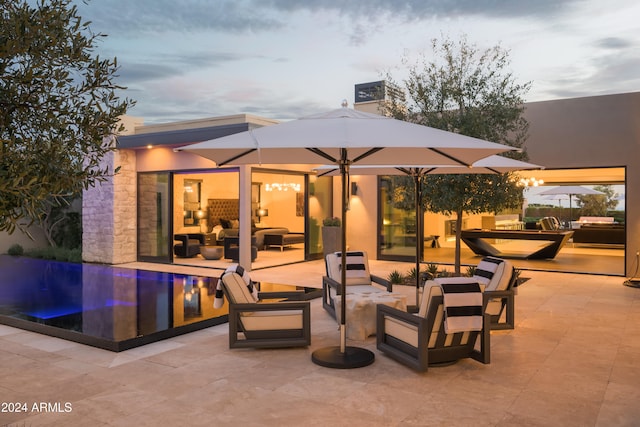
(573, 360)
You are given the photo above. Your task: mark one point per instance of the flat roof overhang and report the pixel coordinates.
(181, 137)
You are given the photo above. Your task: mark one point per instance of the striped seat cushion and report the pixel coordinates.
(495, 274)
(489, 271)
(409, 333)
(357, 271)
(240, 287)
(462, 305)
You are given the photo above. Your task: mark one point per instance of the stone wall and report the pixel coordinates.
(109, 213)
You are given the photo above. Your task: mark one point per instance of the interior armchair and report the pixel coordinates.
(255, 322)
(188, 245)
(359, 278)
(232, 248)
(426, 338)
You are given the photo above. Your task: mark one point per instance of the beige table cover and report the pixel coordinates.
(361, 311)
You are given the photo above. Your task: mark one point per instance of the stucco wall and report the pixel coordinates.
(362, 215)
(17, 237)
(600, 131)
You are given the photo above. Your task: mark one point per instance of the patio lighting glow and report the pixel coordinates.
(283, 187)
(531, 182)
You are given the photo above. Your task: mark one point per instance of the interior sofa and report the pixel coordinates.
(605, 234)
(261, 233)
(258, 233)
(281, 238)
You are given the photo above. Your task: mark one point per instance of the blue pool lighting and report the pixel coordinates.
(104, 306)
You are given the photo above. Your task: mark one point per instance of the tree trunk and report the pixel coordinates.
(458, 238)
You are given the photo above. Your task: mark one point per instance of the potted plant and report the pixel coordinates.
(331, 235)
(331, 222)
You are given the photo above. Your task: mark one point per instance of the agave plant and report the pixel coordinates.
(432, 270)
(471, 270)
(396, 278)
(411, 274)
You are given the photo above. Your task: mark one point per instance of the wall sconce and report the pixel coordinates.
(354, 188)
(262, 212)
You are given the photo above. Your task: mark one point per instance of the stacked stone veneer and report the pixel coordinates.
(109, 213)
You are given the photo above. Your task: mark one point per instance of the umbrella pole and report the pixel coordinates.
(344, 175)
(419, 237)
(570, 212)
(343, 357)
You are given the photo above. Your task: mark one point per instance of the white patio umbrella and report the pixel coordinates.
(569, 190)
(558, 197)
(346, 137)
(490, 165)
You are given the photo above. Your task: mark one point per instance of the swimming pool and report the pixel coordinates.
(104, 306)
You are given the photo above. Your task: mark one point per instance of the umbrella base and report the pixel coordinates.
(353, 357)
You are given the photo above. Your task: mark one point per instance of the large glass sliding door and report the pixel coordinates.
(278, 205)
(207, 202)
(397, 219)
(320, 206)
(154, 219)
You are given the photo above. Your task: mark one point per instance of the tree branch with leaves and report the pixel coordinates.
(465, 90)
(59, 107)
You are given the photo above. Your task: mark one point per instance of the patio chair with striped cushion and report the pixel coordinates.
(358, 278)
(254, 322)
(447, 328)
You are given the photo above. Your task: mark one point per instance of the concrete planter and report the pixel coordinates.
(331, 240)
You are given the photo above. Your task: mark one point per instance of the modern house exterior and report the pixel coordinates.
(136, 215)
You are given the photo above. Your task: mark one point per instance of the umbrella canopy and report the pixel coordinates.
(558, 197)
(368, 138)
(490, 165)
(344, 137)
(569, 190)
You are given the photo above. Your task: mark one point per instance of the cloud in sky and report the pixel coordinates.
(287, 58)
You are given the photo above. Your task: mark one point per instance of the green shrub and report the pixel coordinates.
(331, 222)
(57, 254)
(15, 250)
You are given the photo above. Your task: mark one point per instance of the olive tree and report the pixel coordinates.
(58, 108)
(463, 89)
(598, 204)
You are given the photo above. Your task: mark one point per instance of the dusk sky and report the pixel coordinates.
(283, 59)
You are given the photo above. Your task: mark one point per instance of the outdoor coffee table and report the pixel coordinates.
(361, 311)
